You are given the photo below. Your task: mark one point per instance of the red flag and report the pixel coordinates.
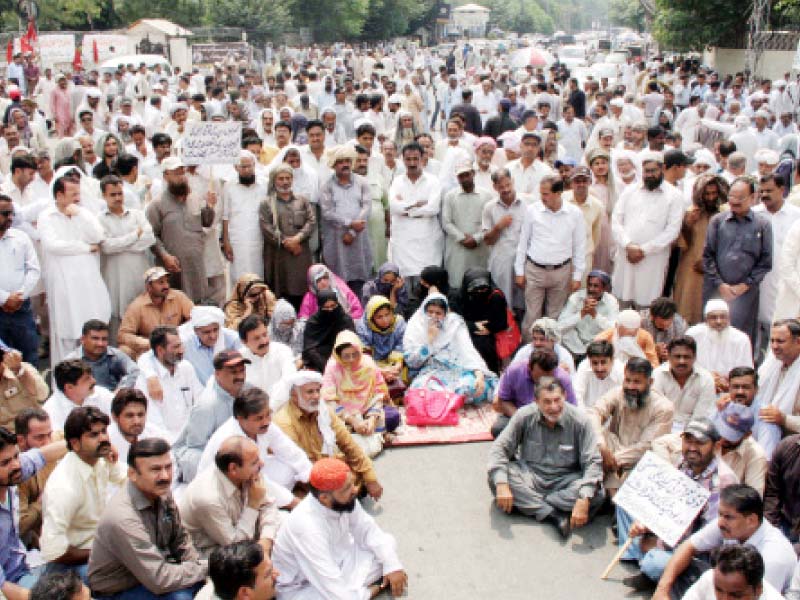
(24, 44)
(77, 62)
(31, 33)
(10, 51)
(95, 52)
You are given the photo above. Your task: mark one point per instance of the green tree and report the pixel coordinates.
(627, 13)
(261, 19)
(183, 12)
(391, 18)
(331, 20)
(523, 16)
(695, 24)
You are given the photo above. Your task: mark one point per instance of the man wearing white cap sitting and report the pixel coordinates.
(316, 429)
(204, 337)
(720, 347)
(629, 339)
(178, 228)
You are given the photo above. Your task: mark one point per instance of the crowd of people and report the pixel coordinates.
(199, 362)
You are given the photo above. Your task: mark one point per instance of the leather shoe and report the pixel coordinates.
(639, 582)
(561, 521)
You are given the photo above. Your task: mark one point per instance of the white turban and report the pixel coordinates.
(765, 156)
(304, 377)
(741, 122)
(716, 305)
(549, 327)
(652, 156)
(202, 316)
(629, 319)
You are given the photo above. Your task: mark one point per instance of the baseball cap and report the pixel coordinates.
(464, 167)
(565, 162)
(229, 358)
(154, 273)
(581, 172)
(734, 422)
(171, 163)
(676, 158)
(702, 430)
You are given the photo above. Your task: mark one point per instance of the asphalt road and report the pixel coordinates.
(455, 543)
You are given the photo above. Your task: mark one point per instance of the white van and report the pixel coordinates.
(151, 60)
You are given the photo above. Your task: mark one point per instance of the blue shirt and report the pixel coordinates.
(201, 357)
(12, 553)
(517, 386)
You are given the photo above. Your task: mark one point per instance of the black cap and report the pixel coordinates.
(229, 358)
(702, 430)
(676, 158)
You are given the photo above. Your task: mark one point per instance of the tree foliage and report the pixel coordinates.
(695, 24)
(627, 13)
(523, 16)
(263, 20)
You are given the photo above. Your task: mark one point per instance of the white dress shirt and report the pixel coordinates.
(695, 400)
(527, 179)
(267, 371)
(552, 237)
(589, 388)
(73, 501)
(58, 406)
(19, 266)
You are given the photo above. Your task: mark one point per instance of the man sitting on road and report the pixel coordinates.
(558, 474)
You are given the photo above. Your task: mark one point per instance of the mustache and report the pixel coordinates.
(163, 482)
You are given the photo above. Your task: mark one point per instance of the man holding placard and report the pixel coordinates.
(740, 520)
(559, 471)
(698, 461)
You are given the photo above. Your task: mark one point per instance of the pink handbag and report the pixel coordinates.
(432, 407)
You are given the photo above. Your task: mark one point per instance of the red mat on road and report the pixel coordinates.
(473, 426)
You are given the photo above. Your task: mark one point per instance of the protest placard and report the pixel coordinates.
(661, 497)
(210, 143)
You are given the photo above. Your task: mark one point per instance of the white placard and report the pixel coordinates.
(796, 61)
(662, 498)
(210, 143)
(55, 48)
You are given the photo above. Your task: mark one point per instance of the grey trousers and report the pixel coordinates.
(538, 498)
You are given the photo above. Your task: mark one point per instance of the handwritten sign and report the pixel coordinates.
(209, 143)
(662, 498)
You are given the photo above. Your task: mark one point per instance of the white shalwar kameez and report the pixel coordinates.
(285, 463)
(719, 352)
(240, 204)
(652, 220)
(325, 555)
(125, 255)
(76, 291)
(417, 238)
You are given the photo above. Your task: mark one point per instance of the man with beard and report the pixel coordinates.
(178, 228)
(315, 560)
(629, 339)
(720, 347)
(287, 223)
(77, 491)
(130, 422)
(316, 429)
(15, 468)
(645, 222)
(345, 202)
(737, 256)
(285, 464)
(484, 169)
(242, 242)
(168, 382)
(698, 460)
(157, 305)
(212, 409)
(587, 313)
(558, 474)
(270, 361)
(141, 548)
(461, 220)
(627, 420)
(740, 521)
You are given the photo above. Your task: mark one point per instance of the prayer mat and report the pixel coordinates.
(474, 424)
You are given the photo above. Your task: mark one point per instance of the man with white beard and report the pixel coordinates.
(629, 339)
(720, 347)
(242, 241)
